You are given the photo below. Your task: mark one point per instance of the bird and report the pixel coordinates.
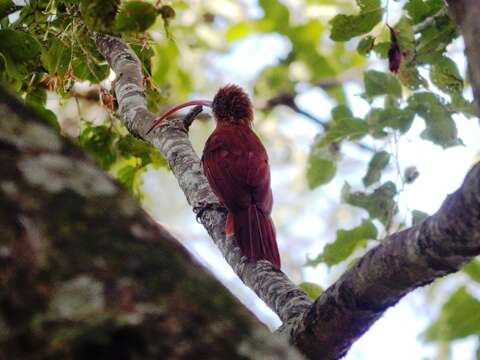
(236, 165)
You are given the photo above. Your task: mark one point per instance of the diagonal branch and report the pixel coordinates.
(327, 328)
(171, 139)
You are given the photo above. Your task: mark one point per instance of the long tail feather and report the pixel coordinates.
(255, 234)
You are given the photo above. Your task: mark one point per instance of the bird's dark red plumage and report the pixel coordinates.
(236, 165)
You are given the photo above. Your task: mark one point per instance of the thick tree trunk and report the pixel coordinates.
(85, 273)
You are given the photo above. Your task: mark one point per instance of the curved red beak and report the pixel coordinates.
(176, 108)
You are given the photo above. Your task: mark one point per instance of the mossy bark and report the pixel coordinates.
(85, 273)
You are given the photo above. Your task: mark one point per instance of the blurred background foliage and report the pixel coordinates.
(342, 90)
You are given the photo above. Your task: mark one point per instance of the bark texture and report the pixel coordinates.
(85, 273)
(327, 328)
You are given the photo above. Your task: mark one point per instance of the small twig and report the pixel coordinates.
(190, 117)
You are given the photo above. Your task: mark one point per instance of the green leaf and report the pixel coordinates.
(277, 14)
(440, 127)
(391, 117)
(473, 269)
(44, 114)
(418, 216)
(459, 318)
(379, 83)
(37, 95)
(99, 142)
(445, 75)
(313, 290)
(345, 27)
(344, 125)
(419, 10)
(380, 204)
(321, 166)
(6, 8)
(375, 167)
(135, 16)
(434, 40)
(144, 53)
(129, 146)
(461, 105)
(86, 68)
(129, 176)
(239, 30)
(57, 58)
(366, 45)
(304, 39)
(20, 52)
(99, 15)
(345, 244)
(382, 49)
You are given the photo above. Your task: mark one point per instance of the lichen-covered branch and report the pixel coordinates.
(85, 273)
(327, 328)
(407, 260)
(171, 139)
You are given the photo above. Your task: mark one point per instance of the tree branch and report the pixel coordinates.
(271, 285)
(326, 329)
(403, 262)
(86, 273)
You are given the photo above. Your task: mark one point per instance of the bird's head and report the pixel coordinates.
(230, 104)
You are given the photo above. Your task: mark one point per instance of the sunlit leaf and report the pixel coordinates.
(276, 13)
(345, 27)
(473, 270)
(313, 290)
(345, 244)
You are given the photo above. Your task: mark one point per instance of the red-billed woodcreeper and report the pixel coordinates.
(236, 166)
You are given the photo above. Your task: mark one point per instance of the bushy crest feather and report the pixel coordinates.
(231, 103)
